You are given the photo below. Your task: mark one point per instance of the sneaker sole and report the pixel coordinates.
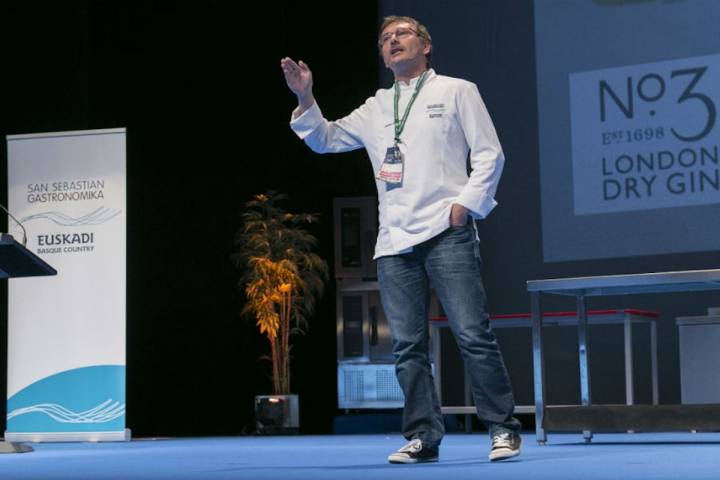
(407, 461)
(503, 454)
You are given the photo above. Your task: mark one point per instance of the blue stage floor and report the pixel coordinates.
(344, 457)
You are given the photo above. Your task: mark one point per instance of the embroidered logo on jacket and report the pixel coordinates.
(435, 110)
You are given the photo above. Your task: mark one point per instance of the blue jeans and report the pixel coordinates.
(449, 263)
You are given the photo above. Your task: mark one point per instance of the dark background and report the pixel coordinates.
(199, 89)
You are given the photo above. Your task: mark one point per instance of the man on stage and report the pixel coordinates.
(418, 135)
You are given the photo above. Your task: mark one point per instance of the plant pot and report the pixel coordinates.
(277, 414)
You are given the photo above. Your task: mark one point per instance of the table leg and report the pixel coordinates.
(629, 381)
(468, 401)
(585, 394)
(538, 367)
(436, 344)
(654, 363)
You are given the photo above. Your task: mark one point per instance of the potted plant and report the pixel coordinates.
(281, 277)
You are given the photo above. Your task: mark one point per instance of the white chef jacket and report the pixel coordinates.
(447, 121)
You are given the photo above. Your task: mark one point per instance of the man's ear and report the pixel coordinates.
(427, 47)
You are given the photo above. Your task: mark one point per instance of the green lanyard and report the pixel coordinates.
(400, 124)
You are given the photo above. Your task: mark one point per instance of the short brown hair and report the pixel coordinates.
(419, 28)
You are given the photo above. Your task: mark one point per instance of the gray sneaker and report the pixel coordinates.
(414, 452)
(505, 445)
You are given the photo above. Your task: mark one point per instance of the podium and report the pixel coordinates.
(17, 261)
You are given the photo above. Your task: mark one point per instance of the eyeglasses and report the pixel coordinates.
(402, 32)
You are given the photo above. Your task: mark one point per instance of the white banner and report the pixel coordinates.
(66, 333)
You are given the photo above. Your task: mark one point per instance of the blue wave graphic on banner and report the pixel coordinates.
(96, 217)
(78, 400)
(106, 411)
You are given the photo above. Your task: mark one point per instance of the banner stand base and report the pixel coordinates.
(14, 447)
(41, 437)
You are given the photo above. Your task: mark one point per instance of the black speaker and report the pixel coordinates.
(277, 414)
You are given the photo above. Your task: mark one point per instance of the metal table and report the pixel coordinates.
(617, 417)
(625, 317)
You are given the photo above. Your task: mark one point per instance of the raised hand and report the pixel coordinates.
(299, 80)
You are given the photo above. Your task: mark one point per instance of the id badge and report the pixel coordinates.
(391, 171)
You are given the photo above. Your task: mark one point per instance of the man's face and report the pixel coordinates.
(401, 46)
